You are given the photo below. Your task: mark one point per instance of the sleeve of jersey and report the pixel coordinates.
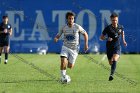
(104, 31)
(82, 31)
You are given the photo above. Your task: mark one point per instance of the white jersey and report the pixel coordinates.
(71, 35)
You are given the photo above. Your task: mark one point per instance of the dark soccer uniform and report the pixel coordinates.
(4, 37)
(113, 47)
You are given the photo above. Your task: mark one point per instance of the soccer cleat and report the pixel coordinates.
(111, 78)
(5, 62)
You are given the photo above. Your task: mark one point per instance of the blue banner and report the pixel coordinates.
(36, 22)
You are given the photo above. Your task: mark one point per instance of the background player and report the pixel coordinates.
(70, 46)
(113, 48)
(5, 32)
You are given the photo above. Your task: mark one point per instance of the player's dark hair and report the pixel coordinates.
(114, 15)
(70, 14)
(5, 16)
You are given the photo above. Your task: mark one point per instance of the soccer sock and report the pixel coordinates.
(113, 67)
(6, 57)
(63, 72)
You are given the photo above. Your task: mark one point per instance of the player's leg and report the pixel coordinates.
(7, 47)
(64, 62)
(115, 58)
(1, 48)
(72, 58)
(110, 60)
(70, 65)
(114, 63)
(109, 56)
(6, 54)
(63, 65)
(71, 62)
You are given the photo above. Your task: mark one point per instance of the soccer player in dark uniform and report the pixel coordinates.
(112, 34)
(5, 32)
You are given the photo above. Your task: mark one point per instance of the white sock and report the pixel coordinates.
(63, 72)
(6, 60)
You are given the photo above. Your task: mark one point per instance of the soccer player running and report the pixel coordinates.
(70, 48)
(112, 34)
(5, 32)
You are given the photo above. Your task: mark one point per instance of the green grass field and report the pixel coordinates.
(41, 73)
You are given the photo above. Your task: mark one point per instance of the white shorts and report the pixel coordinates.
(69, 53)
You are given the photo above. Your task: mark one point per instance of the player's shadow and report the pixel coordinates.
(28, 81)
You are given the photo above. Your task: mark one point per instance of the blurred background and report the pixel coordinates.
(35, 23)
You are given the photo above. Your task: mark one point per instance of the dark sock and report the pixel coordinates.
(113, 67)
(6, 56)
(0, 54)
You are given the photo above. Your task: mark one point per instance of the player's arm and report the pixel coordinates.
(102, 37)
(123, 38)
(10, 31)
(86, 41)
(56, 38)
(58, 35)
(84, 33)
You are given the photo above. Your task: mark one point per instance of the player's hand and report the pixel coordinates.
(124, 42)
(5, 31)
(110, 39)
(86, 48)
(102, 37)
(55, 39)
